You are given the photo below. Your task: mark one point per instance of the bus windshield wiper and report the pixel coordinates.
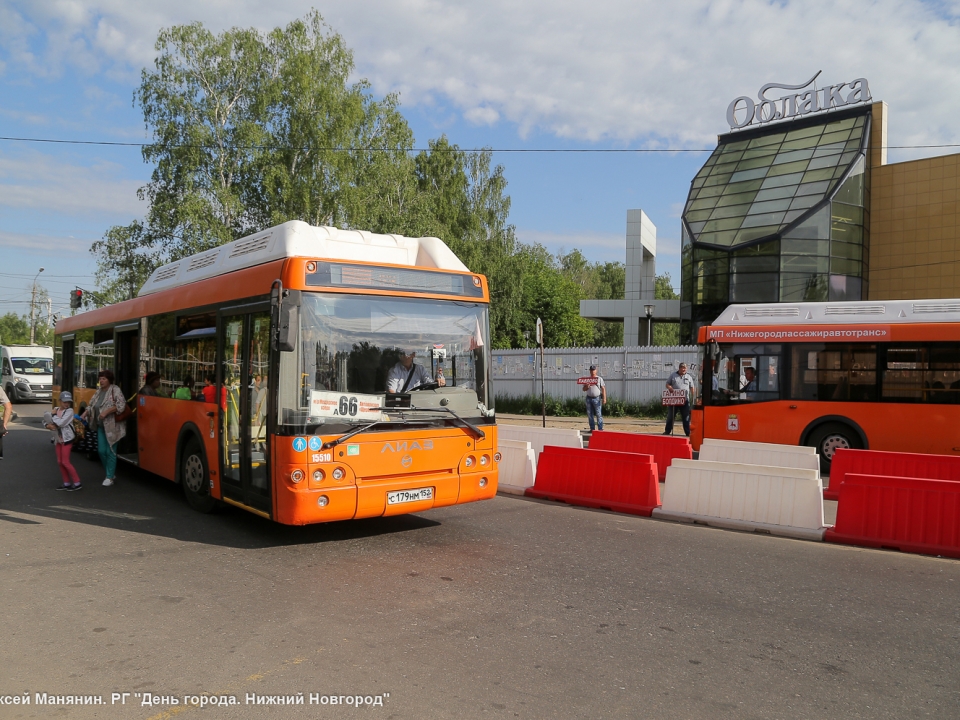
(357, 431)
(477, 431)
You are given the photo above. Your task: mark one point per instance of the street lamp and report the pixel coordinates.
(33, 308)
(648, 309)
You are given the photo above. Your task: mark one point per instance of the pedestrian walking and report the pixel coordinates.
(680, 380)
(61, 424)
(101, 414)
(596, 399)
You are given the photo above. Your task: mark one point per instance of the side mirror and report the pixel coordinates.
(285, 312)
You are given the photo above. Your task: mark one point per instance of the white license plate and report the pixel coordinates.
(43, 394)
(405, 496)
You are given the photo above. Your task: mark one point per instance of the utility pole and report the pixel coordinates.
(33, 309)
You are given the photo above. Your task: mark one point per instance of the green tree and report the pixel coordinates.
(127, 257)
(250, 130)
(14, 330)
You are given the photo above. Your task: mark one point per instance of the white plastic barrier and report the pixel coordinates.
(779, 500)
(538, 436)
(518, 466)
(763, 446)
(730, 451)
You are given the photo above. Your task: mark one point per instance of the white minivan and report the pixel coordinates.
(27, 372)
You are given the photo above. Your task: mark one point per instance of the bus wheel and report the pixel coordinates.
(195, 478)
(12, 394)
(829, 438)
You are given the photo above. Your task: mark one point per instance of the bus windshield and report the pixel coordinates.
(361, 357)
(32, 366)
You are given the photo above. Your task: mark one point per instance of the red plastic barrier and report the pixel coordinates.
(891, 464)
(664, 448)
(624, 482)
(910, 514)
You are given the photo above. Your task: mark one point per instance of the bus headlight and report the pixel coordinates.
(338, 473)
(484, 459)
(497, 457)
(483, 482)
(318, 475)
(323, 501)
(469, 461)
(297, 475)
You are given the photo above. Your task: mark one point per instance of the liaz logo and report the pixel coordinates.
(407, 447)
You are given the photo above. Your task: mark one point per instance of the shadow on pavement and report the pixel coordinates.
(145, 503)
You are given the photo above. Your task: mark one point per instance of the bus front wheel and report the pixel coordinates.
(195, 478)
(829, 438)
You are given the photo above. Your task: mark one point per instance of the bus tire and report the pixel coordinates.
(12, 394)
(830, 437)
(195, 477)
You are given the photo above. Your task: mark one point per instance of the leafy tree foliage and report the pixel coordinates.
(15, 330)
(250, 130)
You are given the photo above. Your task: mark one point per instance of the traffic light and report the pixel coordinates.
(76, 298)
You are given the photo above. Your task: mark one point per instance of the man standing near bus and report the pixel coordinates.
(680, 380)
(596, 399)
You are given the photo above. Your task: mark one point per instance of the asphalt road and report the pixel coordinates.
(504, 609)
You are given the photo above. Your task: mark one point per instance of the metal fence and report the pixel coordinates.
(635, 374)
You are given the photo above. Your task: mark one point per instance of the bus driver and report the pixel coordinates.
(408, 375)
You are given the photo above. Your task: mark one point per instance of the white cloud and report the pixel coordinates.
(643, 72)
(46, 183)
(59, 244)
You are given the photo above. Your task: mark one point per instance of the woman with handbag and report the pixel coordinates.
(107, 411)
(61, 422)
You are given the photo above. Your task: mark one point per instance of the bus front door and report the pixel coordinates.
(245, 360)
(128, 379)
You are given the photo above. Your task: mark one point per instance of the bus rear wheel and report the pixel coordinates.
(829, 438)
(195, 478)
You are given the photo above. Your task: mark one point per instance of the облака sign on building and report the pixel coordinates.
(744, 112)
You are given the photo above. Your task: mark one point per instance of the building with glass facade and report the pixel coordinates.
(809, 210)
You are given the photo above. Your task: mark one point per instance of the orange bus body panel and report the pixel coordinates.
(375, 465)
(159, 422)
(900, 427)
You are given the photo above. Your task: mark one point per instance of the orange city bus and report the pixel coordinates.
(301, 329)
(881, 375)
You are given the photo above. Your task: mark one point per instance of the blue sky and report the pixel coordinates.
(611, 75)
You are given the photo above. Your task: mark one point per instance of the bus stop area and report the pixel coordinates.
(506, 608)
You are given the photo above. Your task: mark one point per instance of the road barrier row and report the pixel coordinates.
(518, 466)
(538, 436)
(904, 501)
(779, 500)
(917, 515)
(619, 481)
(664, 448)
(744, 445)
(889, 464)
(770, 455)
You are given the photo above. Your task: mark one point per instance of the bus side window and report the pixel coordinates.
(836, 372)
